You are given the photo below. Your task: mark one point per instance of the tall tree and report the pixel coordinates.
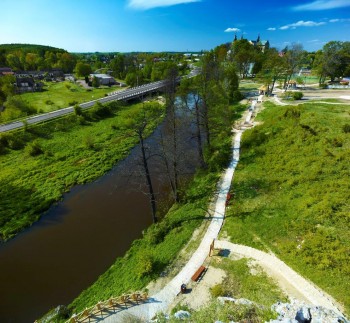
(137, 125)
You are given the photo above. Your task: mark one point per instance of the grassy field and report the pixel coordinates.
(42, 162)
(292, 192)
(58, 95)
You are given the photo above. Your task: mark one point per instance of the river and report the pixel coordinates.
(80, 237)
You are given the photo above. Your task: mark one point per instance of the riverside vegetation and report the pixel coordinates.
(292, 192)
(41, 162)
(161, 242)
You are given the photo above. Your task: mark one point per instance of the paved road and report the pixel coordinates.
(115, 96)
(119, 95)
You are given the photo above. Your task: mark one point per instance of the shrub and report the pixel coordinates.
(237, 96)
(34, 149)
(145, 264)
(14, 142)
(297, 95)
(217, 290)
(89, 142)
(73, 103)
(78, 110)
(48, 102)
(346, 128)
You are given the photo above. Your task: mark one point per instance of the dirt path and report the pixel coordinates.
(291, 283)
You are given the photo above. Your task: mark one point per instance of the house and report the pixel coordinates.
(27, 84)
(260, 44)
(6, 71)
(104, 79)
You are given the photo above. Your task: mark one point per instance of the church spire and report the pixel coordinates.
(258, 38)
(235, 37)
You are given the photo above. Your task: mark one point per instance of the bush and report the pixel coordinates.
(48, 102)
(78, 110)
(237, 96)
(14, 143)
(146, 264)
(346, 128)
(217, 291)
(34, 149)
(297, 95)
(89, 142)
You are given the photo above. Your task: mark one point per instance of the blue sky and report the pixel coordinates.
(171, 25)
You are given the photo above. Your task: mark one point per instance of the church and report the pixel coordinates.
(261, 44)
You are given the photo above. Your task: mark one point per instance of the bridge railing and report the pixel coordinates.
(114, 303)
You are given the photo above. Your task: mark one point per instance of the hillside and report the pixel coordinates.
(30, 48)
(292, 192)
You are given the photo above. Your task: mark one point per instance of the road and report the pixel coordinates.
(126, 94)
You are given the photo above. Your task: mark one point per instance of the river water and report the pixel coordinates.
(79, 238)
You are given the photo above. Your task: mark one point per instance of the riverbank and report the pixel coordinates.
(149, 256)
(41, 162)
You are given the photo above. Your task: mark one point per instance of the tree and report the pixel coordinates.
(83, 69)
(274, 67)
(243, 55)
(137, 125)
(95, 82)
(231, 80)
(170, 91)
(189, 94)
(332, 61)
(293, 57)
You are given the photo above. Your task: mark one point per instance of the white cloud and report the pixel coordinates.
(323, 5)
(230, 30)
(148, 4)
(271, 28)
(339, 20)
(302, 23)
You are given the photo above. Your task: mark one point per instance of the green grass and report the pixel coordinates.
(292, 192)
(62, 94)
(47, 160)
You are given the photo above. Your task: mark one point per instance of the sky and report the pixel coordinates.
(171, 25)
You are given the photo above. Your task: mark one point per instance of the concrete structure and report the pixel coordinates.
(104, 79)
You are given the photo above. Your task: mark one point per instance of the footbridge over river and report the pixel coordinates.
(127, 94)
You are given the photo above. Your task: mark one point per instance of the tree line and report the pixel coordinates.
(271, 65)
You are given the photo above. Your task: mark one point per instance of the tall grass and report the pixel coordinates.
(292, 192)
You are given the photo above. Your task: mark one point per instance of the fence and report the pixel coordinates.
(114, 304)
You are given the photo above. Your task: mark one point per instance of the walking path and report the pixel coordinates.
(161, 300)
(286, 276)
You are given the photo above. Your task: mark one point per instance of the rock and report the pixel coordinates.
(299, 312)
(182, 314)
(303, 315)
(60, 312)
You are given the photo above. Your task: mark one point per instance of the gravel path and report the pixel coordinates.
(284, 275)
